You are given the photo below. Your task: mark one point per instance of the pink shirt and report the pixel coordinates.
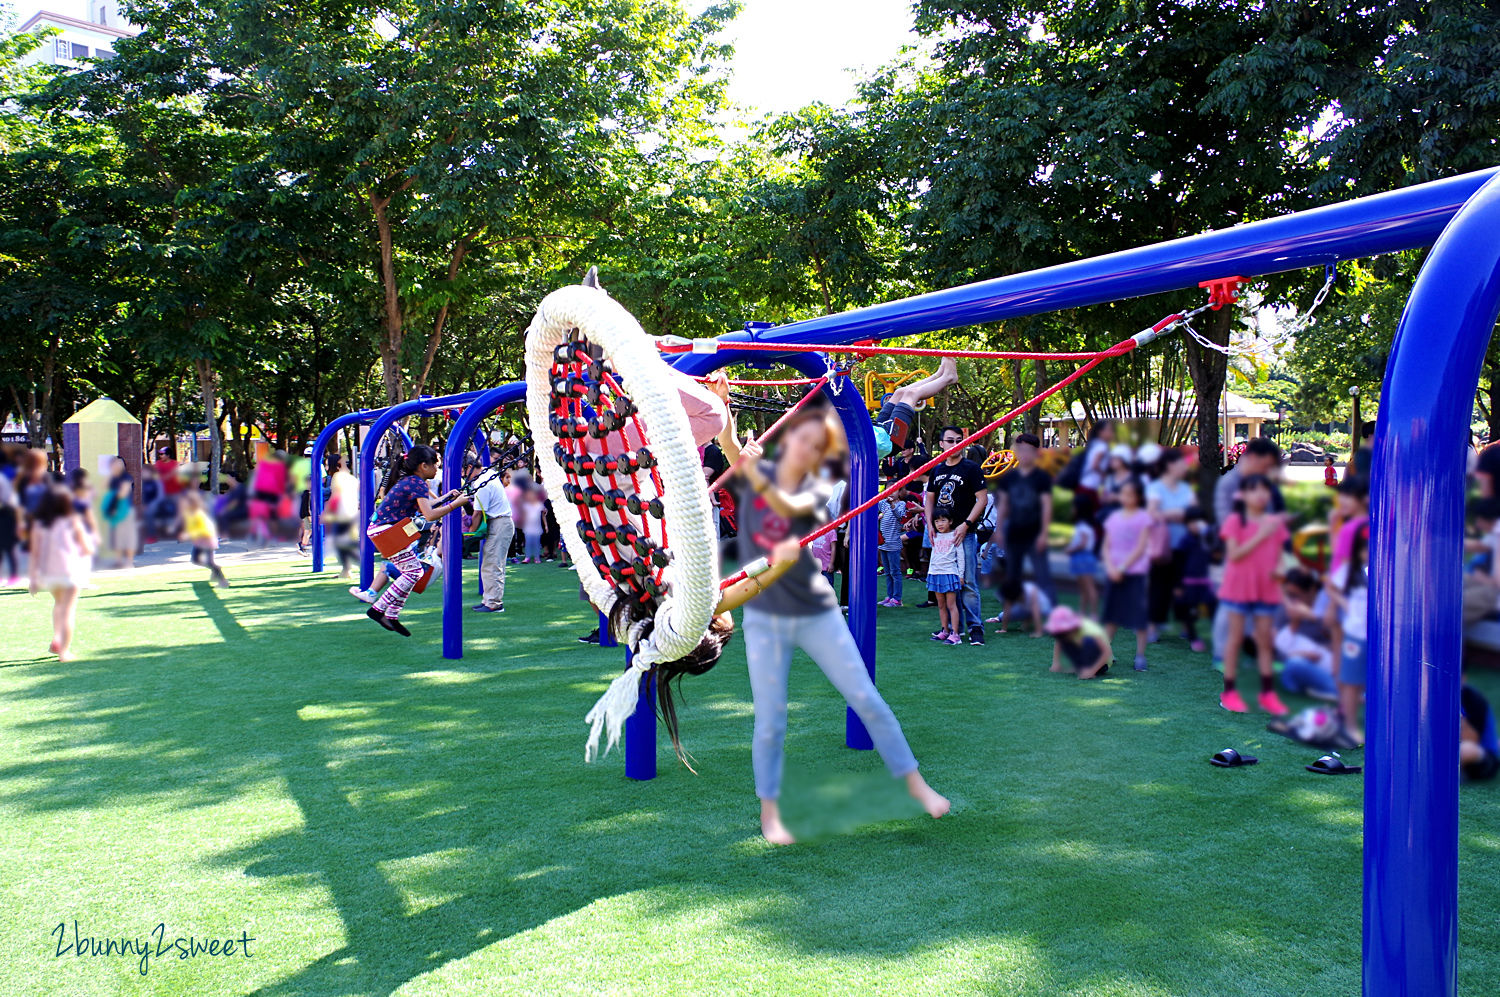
(1122, 531)
(270, 477)
(706, 415)
(1253, 577)
(1343, 541)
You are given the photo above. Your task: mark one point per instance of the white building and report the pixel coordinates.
(93, 35)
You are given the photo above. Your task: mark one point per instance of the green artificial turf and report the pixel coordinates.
(264, 760)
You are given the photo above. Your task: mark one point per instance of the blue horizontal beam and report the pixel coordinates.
(1366, 226)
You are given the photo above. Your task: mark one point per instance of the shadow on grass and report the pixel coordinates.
(446, 808)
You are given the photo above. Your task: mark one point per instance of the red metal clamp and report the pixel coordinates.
(1221, 290)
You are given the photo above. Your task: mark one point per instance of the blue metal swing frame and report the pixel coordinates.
(1411, 781)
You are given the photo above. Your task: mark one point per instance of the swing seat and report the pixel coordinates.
(392, 540)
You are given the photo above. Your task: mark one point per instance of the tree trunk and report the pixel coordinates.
(44, 410)
(173, 401)
(455, 259)
(390, 342)
(26, 409)
(1207, 369)
(1034, 414)
(206, 384)
(823, 284)
(146, 403)
(1494, 414)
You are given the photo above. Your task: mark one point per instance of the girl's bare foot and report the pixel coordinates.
(1090, 671)
(66, 655)
(935, 803)
(53, 647)
(771, 826)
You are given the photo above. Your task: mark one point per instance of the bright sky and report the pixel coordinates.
(789, 53)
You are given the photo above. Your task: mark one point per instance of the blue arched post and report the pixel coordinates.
(864, 482)
(640, 729)
(464, 428)
(382, 422)
(863, 530)
(1416, 632)
(315, 483)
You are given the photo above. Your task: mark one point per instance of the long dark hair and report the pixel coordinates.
(1248, 483)
(56, 503)
(1357, 555)
(416, 457)
(625, 613)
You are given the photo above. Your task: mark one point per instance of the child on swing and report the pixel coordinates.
(409, 497)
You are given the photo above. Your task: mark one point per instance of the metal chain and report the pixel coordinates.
(1290, 330)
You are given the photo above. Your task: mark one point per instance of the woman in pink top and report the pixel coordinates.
(1126, 533)
(62, 550)
(1253, 537)
(267, 486)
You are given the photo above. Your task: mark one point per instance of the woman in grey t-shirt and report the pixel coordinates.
(779, 500)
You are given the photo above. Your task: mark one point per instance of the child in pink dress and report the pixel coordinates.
(62, 549)
(1127, 531)
(1252, 537)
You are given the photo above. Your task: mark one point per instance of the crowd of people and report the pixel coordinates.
(1141, 550)
(1138, 549)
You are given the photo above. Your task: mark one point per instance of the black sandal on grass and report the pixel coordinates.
(1231, 759)
(1333, 765)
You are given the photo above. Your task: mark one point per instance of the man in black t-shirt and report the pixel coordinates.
(1026, 510)
(958, 484)
(714, 460)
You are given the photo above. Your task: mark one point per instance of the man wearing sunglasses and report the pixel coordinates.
(958, 484)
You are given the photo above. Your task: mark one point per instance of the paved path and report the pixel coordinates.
(170, 555)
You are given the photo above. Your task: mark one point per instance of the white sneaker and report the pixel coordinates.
(363, 595)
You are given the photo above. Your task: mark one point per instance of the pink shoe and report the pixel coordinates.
(954, 639)
(1198, 646)
(1232, 702)
(1271, 703)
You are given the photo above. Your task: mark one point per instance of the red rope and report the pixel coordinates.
(901, 351)
(784, 383)
(740, 460)
(1119, 349)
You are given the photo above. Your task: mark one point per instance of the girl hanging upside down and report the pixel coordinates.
(409, 497)
(898, 412)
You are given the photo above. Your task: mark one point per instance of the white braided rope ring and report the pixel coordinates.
(692, 577)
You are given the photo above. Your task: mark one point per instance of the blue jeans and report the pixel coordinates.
(770, 640)
(533, 546)
(973, 616)
(1021, 548)
(1307, 678)
(890, 560)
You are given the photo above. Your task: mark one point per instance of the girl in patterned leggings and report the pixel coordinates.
(408, 497)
